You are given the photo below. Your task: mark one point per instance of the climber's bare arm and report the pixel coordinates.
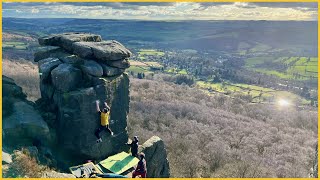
(97, 106)
(106, 105)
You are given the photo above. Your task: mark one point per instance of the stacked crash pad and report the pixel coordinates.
(116, 164)
(119, 163)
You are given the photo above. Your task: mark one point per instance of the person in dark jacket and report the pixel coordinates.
(134, 146)
(141, 168)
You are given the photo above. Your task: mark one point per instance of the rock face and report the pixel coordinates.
(67, 39)
(74, 76)
(21, 122)
(315, 165)
(156, 158)
(6, 158)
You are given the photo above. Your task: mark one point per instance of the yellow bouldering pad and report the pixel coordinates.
(119, 163)
(85, 168)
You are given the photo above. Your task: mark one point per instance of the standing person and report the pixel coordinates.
(134, 146)
(104, 120)
(141, 169)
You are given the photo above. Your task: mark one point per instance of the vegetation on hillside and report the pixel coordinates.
(25, 75)
(217, 99)
(216, 136)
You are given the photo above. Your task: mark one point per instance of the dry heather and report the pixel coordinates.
(24, 166)
(216, 136)
(25, 75)
(16, 37)
(210, 136)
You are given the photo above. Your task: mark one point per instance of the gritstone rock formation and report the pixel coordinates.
(73, 76)
(21, 123)
(156, 158)
(83, 69)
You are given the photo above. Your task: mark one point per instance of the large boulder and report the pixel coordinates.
(21, 123)
(66, 40)
(111, 71)
(24, 125)
(78, 119)
(72, 59)
(122, 64)
(10, 89)
(47, 66)
(53, 53)
(103, 51)
(92, 68)
(66, 77)
(156, 158)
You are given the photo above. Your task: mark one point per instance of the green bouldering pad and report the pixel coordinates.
(119, 163)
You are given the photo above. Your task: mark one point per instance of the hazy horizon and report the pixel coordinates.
(180, 11)
(157, 20)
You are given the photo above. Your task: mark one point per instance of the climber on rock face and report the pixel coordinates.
(141, 169)
(104, 120)
(134, 146)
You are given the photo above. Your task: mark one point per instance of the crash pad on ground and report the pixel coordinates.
(119, 163)
(86, 168)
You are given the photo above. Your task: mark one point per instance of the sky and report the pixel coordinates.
(307, 11)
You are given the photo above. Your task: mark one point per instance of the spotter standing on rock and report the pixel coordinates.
(134, 146)
(104, 120)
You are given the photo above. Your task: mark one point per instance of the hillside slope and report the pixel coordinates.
(215, 136)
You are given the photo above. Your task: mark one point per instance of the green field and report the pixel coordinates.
(154, 64)
(150, 52)
(252, 62)
(301, 68)
(259, 94)
(15, 45)
(176, 71)
(260, 48)
(142, 67)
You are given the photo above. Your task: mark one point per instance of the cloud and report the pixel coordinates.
(35, 11)
(165, 11)
(243, 5)
(287, 4)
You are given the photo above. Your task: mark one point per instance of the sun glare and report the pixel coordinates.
(283, 102)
